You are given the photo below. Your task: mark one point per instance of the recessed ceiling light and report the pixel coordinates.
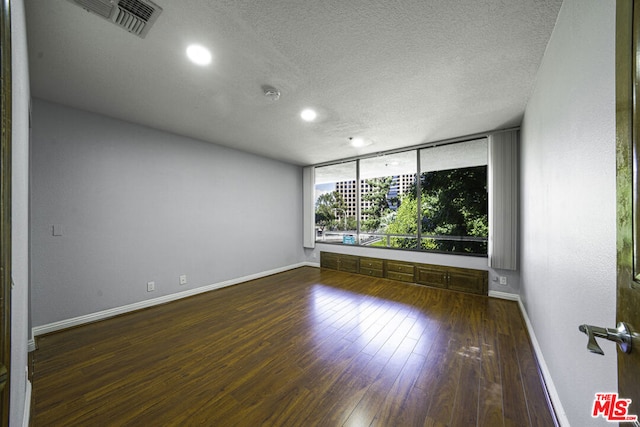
(199, 55)
(357, 141)
(308, 115)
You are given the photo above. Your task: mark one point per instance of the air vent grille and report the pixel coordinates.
(130, 22)
(137, 8)
(99, 7)
(135, 16)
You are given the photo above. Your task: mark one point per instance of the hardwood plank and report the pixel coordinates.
(465, 406)
(513, 398)
(348, 391)
(490, 412)
(395, 406)
(366, 410)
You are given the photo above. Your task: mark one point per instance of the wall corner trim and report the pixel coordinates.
(560, 414)
(105, 314)
(27, 405)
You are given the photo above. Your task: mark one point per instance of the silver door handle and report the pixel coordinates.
(620, 335)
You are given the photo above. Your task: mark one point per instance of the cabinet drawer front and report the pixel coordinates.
(403, 277)
(466, 281)
(348, 263)
(371, 272)
(400, 267)
(374, 263)
(431, 277)
(328, 260)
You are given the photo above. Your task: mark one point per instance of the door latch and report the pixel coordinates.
(620, 335)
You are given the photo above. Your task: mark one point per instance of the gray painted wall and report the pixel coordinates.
(19, 388)
(133, 204)
(568, 274)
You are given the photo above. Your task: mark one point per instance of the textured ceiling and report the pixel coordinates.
(399, 73)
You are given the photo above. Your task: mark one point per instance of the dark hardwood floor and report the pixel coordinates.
(307, 347)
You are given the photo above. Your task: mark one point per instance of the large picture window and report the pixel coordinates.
(454, 200)
(379, 202)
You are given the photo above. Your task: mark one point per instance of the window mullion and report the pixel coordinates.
(419, 201)
(358, 201)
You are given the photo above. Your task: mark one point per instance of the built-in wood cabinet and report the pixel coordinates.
(372, 267)
(465, 280)
(457, 279)
(432, 275)
(348, 263)
(399, 270)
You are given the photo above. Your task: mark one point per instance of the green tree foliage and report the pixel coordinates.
(454, 203)
(329, 208)
(405, 223)
(379, 205)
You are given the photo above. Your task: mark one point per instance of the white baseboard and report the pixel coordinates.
(504, 295)
(27, 405)
(105, 314)
(551, 388)
(31, 345)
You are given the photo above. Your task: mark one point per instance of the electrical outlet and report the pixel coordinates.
(151, 286)
(503, 280)
(183, 279)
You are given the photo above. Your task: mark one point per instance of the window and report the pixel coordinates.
(385, 181)
(336, 203)
(454, 200)
(378, 201)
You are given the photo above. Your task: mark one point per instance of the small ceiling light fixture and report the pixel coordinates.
(357, 141)
(199, 55)
(271, 93)
(308, 115)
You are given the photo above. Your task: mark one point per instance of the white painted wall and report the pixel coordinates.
(135, 205)
(20, 387)
(568, 205)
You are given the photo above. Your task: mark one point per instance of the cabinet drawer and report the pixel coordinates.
(371, 271)
(431, 276)
(400, 267)
(348, 263)
(329, 260)
(473, 281)
(373, 263)
(403, 277)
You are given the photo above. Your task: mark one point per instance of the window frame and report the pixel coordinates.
(418, 236)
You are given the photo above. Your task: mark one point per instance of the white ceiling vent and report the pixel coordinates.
(135, 16)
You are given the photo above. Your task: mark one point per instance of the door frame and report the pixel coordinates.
(628, 193)
(5, 209)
